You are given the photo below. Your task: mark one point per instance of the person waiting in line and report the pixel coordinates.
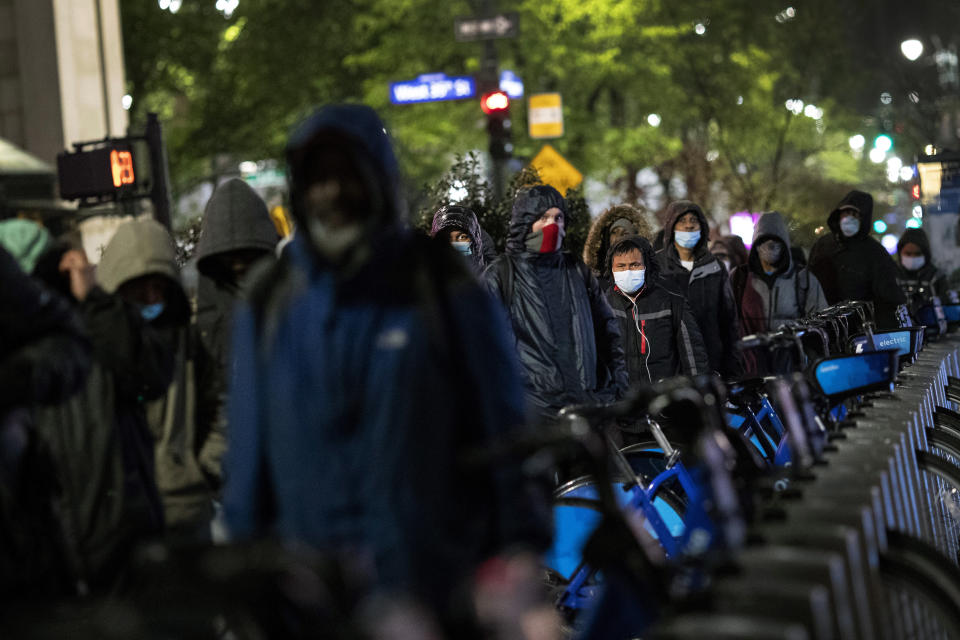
(611, 226)
(691, 270)
(352, 357)
(729, 250)
(771, 289)
(564, 330)
(661, 338)
(458, 226)
(851, 265)
(918, 277)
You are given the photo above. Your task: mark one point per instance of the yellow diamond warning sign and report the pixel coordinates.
(555, 171)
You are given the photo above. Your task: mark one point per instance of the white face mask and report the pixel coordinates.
(912, 263)
(686, 239)
(630, 281)
(849, 226)
(334, 242)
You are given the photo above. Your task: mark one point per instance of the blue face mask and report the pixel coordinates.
(849, 226)
(630, 281)
(686, 239)
(151, 312)
(463, 247)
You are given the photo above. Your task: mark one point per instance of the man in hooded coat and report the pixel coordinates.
(771, 289)
(851, 265)
(703, 280)
(368, 364)
(139, 266)
(565, 332)
(660, 335)
(618, 222)
(237, 232)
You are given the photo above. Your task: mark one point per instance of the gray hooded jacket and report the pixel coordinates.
(766, 301)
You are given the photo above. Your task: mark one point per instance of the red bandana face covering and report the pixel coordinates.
(551, 238)
(547, 240)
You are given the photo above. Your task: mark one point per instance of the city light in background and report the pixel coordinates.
(912, 49)
(742, 224)
(889, 243)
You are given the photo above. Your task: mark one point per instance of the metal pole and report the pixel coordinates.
(491, 72)
(160, 192)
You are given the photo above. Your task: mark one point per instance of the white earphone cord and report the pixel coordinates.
(643, 338)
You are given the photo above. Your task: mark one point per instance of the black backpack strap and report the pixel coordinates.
(738, 282)
(800, 292)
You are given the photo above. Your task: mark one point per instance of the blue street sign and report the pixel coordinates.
(510, 83)
(432, 88)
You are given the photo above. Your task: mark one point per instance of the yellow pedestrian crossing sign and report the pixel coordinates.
(555, 170)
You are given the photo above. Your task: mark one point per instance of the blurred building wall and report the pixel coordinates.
(61, 73)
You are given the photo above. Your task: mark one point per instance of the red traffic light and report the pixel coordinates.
(495, 102)
(915, 192)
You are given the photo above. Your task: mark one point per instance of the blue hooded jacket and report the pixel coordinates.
(355, 398)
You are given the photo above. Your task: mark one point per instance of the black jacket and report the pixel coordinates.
(566, 335)
(857, 268)
(44, 353)
(660, 335)
(921, 285)
(707, 290)
(109, 499)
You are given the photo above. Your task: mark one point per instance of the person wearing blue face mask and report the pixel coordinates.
(139, 267)
(458, 226)
(661, 338)
(690, 269)
(851, 265)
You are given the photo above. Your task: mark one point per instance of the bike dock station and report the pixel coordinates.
(820, 503)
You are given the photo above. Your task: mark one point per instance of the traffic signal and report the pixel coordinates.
(496, 104)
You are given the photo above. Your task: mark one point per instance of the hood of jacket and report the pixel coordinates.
(528, 206)
(674, 212)
(25, 240)
(142, 247)
(864, 203)
(734, 247)
(919, 238)
(771, 225)
(358, 131)
(597, 246)
(457, 217)
(235, 218)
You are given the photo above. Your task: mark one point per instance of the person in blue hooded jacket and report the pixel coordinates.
(354, 356)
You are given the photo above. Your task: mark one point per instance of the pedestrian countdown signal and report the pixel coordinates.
(121, 166)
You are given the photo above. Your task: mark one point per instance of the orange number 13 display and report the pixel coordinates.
(121, 163)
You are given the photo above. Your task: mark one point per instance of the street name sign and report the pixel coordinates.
(432, 87)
